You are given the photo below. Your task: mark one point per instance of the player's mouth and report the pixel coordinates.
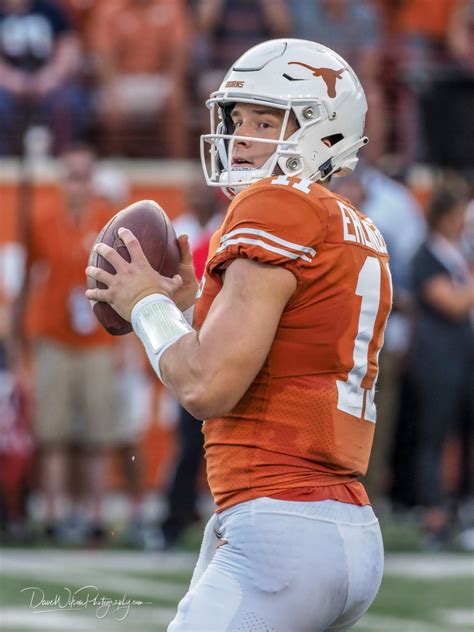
(242, 163)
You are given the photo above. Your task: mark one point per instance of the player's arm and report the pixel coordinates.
(453, 301)
(208, 371)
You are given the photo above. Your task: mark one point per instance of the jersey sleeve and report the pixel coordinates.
(271, 225)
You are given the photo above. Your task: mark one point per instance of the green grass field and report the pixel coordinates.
(420, 592)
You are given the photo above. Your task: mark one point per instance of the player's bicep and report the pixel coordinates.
(239, 330)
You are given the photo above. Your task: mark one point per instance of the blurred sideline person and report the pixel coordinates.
(442, 359)
(76, 394)
(39, 74)
(134, 382)
(140, 52)
(282, 360)
(135, 398)
(16, 437)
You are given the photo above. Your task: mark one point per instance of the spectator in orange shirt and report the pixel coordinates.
(140, 49)
(75, 385)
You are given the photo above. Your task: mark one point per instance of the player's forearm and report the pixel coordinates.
(454, 302)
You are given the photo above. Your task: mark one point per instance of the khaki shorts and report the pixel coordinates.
(76, 395)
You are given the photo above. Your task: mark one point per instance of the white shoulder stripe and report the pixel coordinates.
(262, 244)
(270, 237)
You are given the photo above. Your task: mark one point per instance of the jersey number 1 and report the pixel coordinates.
(351, 395)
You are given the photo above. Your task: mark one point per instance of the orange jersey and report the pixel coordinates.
(304, 428)
(60, 246)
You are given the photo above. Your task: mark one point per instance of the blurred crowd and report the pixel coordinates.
(128, 78)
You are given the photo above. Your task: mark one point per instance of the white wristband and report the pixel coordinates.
(158, 323)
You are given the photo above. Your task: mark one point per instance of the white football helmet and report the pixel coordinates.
(298, 76)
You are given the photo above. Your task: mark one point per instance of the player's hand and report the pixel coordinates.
(184, 297)
(131, 281)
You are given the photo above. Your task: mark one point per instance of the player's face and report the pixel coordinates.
(261, 122)
(77, 176)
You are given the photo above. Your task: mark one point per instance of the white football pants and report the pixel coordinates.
(286, 567)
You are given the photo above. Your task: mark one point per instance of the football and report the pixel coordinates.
(153, 229)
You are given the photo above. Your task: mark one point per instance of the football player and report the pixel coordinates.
(281, 361)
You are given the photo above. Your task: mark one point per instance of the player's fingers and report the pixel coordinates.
(132, 243)
(186, 256)
(98, 295)
(111, 255)
(99, 275)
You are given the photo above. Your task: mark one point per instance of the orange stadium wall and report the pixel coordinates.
(170, 198)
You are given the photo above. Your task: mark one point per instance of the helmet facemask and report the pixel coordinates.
(217, 165)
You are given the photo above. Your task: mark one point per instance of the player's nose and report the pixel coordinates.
(242, 142)
(244, 130)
